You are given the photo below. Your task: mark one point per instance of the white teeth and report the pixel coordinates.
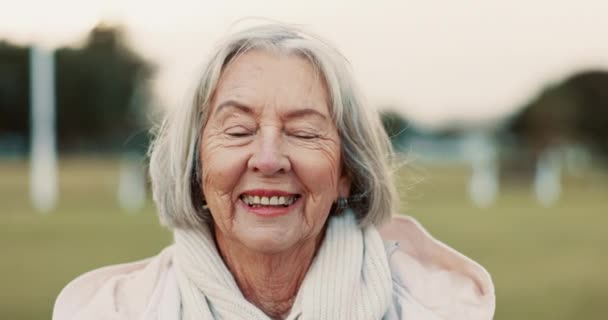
(274, 201)
(269, 201)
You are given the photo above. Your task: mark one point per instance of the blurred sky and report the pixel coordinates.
(437, 61)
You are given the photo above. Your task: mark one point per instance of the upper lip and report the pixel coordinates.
(268, 193)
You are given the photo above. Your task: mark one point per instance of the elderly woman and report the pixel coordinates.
(276, 183)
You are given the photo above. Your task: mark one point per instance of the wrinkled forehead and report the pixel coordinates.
(262, 78)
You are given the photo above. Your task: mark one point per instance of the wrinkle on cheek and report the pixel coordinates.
(217, 200)
(209, 179)
(212, 175)
(326, 152)
(334, 159)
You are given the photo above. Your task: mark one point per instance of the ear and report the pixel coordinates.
(344, 186)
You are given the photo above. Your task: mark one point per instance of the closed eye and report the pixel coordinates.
(304, 135)
(239, 132)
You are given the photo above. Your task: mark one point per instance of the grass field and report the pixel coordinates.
(546, 263)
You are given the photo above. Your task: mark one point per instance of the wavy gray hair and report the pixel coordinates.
(366, 150)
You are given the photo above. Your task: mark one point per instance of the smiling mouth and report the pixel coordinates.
(264, 201)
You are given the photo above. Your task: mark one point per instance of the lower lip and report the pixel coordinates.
(269, 212)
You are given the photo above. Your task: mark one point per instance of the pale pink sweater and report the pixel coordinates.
(430, 281)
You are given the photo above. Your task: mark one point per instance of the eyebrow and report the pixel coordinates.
(234, 104)
(299, 113)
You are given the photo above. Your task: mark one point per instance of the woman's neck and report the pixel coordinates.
(269, 281)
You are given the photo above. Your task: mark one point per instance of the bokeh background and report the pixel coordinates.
(499, 111)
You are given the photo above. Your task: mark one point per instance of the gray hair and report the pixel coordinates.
(367, 153)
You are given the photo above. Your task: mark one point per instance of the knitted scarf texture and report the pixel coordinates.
(348, 279)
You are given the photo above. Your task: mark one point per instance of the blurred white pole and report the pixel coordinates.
(547, 178)
(483, 186)
(131, 183)
(576, 159)
(43, 153)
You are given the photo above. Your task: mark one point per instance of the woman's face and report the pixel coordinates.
(270, 154)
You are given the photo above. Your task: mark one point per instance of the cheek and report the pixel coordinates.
(222, 169)
(319, 171)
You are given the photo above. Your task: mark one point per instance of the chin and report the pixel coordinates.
(269, 235)
(267, 242)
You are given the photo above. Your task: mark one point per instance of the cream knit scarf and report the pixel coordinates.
(349, 278)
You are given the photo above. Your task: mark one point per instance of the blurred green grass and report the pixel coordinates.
(546, 263)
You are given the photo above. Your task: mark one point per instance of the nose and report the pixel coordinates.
(269, 157)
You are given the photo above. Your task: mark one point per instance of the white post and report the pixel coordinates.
(132, 183)
(483, 185)
(547, 179)
(43, 153)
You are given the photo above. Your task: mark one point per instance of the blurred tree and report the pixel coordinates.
(591, 96)
(397, 128)
(549, 120)
(572, 112)
(14, 97)
(102, 94)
